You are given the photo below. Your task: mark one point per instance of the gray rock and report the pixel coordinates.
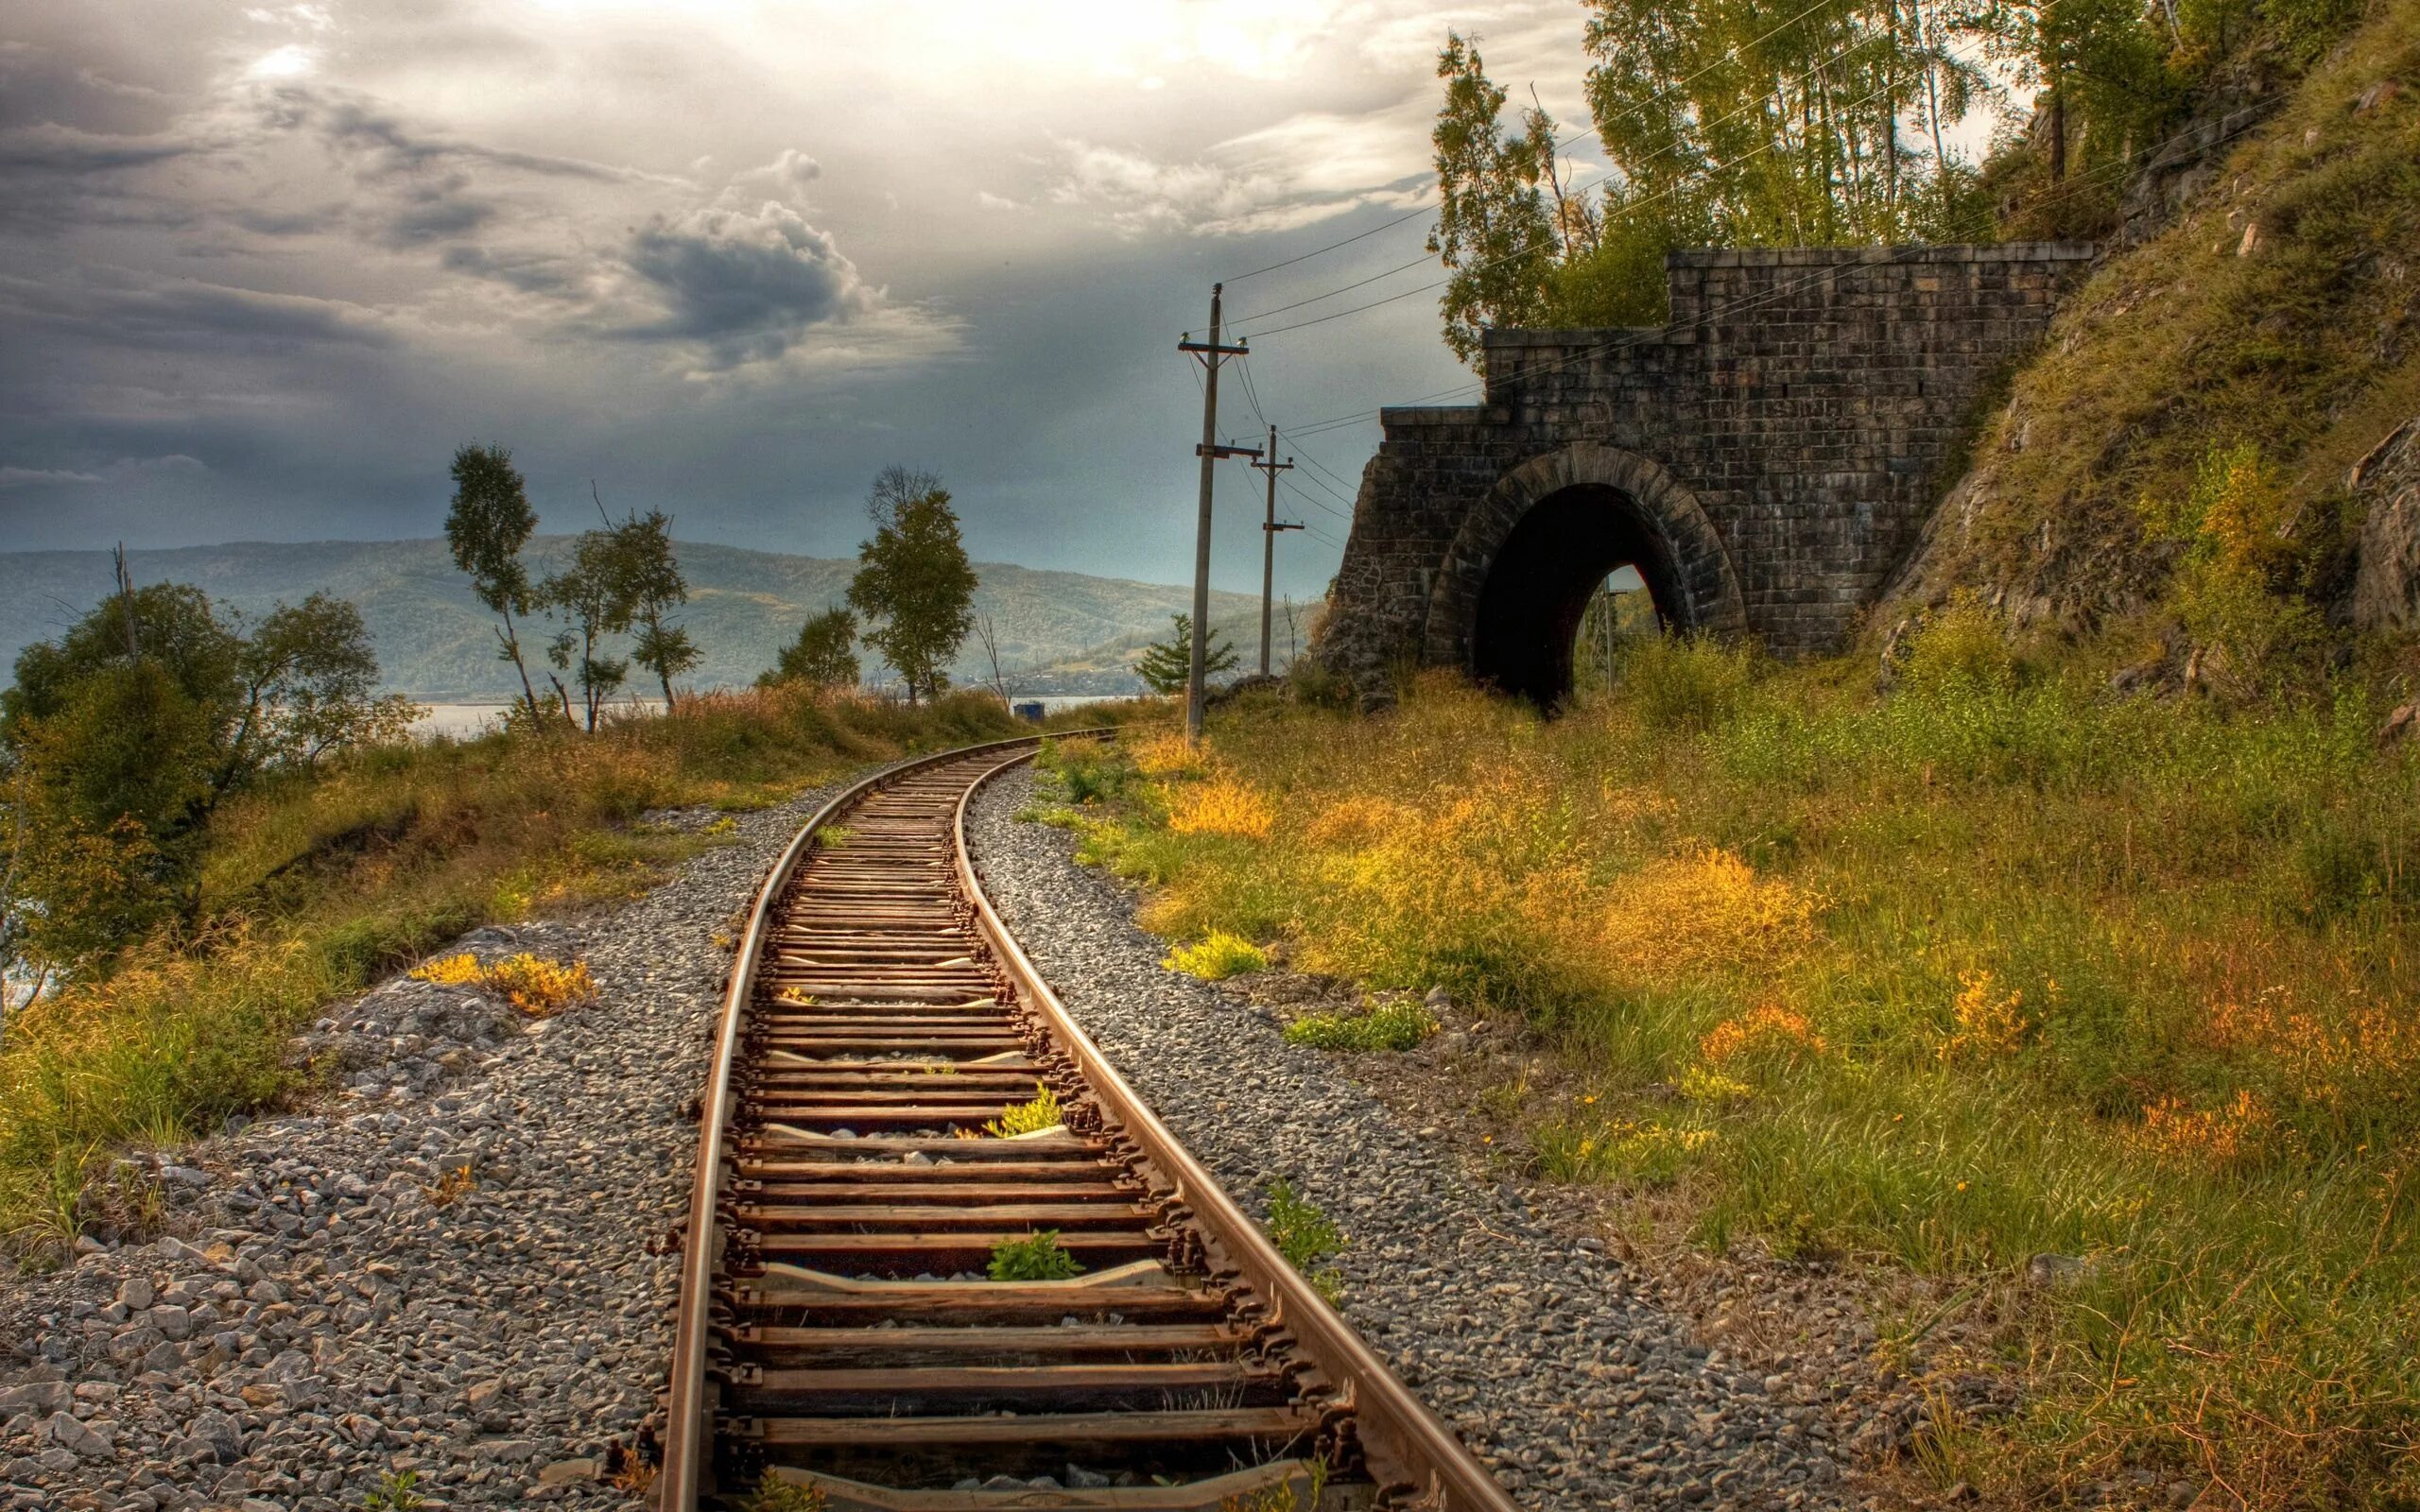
(2386, 578)
(38, 1398)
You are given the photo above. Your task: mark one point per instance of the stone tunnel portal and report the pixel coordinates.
(1541, 579)
(1766, 458)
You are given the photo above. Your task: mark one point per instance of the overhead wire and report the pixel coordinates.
(1837, 56)
(1728, 55)
(2076, 184)
(1495, 262)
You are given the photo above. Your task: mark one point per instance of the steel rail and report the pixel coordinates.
(1408, 1448)
(688, 1426)
(1396, 1448)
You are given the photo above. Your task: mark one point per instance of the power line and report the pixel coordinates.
(1317, 252)
(1477, 267)
(2076, 184)
(1666, 150)
(1729, 53)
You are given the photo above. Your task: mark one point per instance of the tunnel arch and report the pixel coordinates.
(1509, 595)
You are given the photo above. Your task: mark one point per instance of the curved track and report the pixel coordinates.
(838, 1329)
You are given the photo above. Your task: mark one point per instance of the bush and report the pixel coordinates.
(314, 883)
(1687, 682)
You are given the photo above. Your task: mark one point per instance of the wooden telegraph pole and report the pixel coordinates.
(1269, 530)
(1210, 352)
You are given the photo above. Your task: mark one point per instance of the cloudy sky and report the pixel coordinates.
(263, 267)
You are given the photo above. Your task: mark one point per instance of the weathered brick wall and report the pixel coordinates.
(1778, 438)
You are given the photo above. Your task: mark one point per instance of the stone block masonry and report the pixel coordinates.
(1764, 460)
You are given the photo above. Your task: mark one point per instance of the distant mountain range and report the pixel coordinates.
(1059, 632)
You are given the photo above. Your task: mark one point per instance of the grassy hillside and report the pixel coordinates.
(2270, 328)
(2099, 1010)
(435, 641)
(321, 883)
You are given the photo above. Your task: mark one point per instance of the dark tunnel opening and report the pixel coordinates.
(1539, 586)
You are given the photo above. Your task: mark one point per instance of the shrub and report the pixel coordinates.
(1218, 956)
(1038, 1257)
(1688, 682)
(315, 882)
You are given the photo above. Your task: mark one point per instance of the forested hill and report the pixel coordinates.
(434, 639)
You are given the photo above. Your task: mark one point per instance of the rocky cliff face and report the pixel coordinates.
(2385, 579)
(2264, 288)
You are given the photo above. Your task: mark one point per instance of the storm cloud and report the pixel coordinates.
(263, 267)
(745, 285)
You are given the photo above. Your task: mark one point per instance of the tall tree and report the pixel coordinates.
(825, 654)
(913, 581)
(490, 523)
(595, 597)
(1494, 228)
(655, 586)
(116, 760)
(1166, 666)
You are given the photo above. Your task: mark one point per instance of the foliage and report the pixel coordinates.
(1721, 128)
(538, 988)
(123, 738)
(774, 1494)
(1304, 1235)
(2233, 590)
(1218, 956)
(1166, 666)
(1038, 1257)
(1042, 1113)
(594, 593)
(651, 577)
(395, 1492)
(1493, 226)
(824, 654)
(488, 525)
(316, 887)
(1990, 965)
(913, 584)
(1398, 1025)
(2260, 343)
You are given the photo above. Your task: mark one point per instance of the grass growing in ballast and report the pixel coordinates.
(315, 888)
(1993, 965)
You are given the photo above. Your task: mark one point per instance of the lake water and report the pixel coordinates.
(463, 721)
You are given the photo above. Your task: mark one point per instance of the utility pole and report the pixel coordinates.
(1269, 530)
(1210, 352)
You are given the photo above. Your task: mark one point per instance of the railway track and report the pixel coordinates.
(838, 1330)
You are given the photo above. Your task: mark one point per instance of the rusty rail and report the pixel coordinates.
(832, 1332)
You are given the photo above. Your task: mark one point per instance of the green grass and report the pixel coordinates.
(1393, 1026)
(1993, 965)
(1306, 1236)
(317, 887)
(1216, 956)
(2183, 347)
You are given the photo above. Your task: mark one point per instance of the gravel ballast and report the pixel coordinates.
(1540, 1348)
(327, 1317)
